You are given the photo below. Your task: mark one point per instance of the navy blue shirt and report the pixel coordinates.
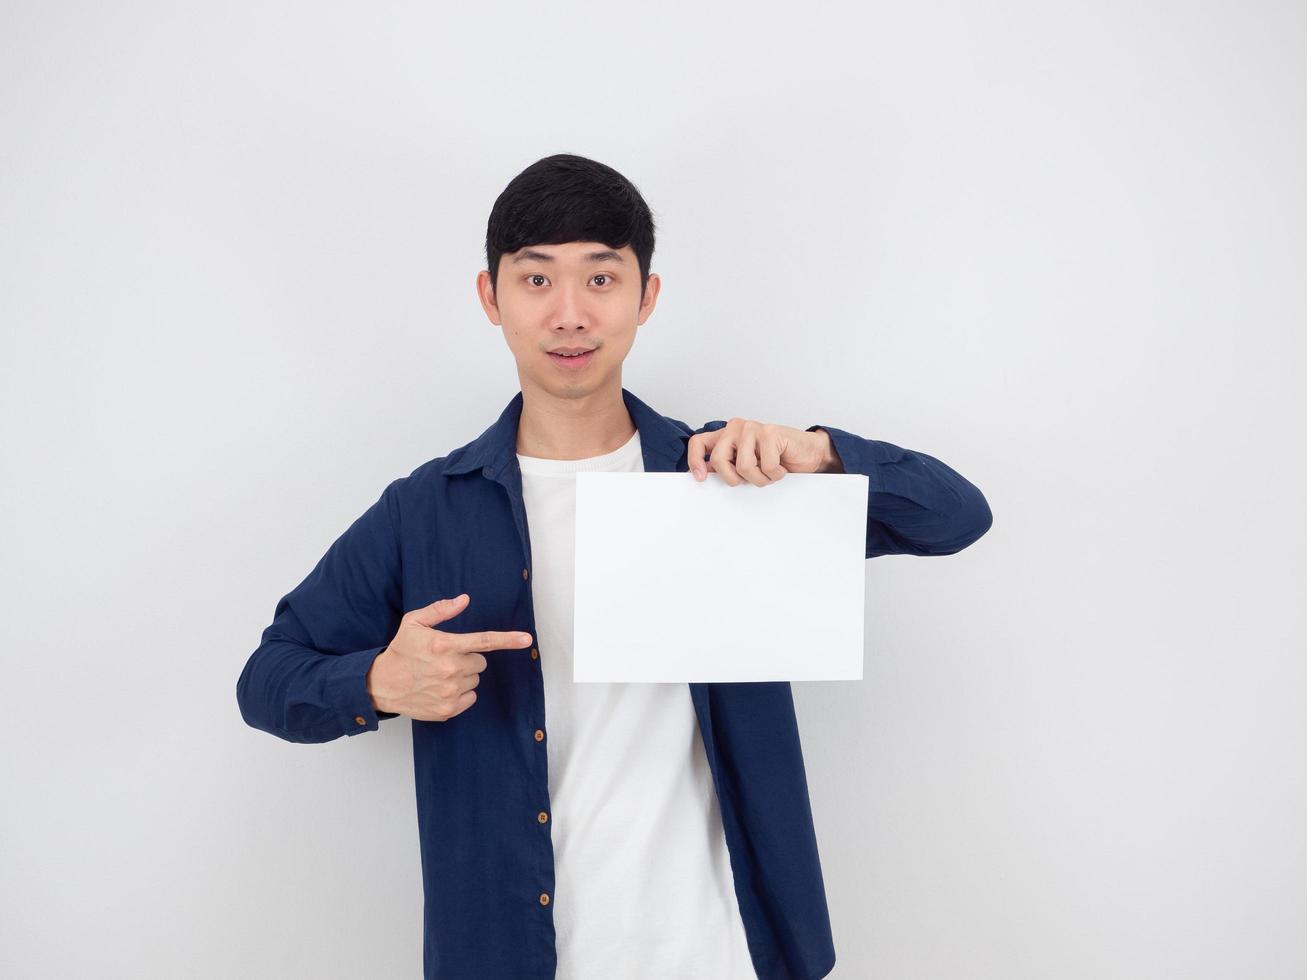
(457, 524)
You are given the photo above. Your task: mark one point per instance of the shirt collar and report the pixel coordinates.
(496, 448)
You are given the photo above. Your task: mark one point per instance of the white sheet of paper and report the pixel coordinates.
(680, 581)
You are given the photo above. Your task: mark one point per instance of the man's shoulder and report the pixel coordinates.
(421, 481)
(425, 474)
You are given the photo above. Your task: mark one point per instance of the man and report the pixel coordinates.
(583, 831)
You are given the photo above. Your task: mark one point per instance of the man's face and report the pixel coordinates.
(581, 295)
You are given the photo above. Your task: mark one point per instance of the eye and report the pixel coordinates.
(603, 276)
(534, 276)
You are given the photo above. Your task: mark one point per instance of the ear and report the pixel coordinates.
(486, 294)
(650, 298)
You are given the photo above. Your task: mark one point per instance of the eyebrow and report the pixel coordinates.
(607, 255)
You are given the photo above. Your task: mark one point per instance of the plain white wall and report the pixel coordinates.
(1059, 246)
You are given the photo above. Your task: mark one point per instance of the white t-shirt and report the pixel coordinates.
(643, 887)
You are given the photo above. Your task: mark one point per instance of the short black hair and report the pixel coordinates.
(568, 198)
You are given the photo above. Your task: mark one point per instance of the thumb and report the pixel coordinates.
(439, 611)
(699, 448)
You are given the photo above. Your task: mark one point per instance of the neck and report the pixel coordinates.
(593, 424)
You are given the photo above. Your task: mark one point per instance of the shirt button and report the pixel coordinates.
(542, 816)
(540, 736)
(535, 654)
(360, 719)
(524, 574)
(544, 898)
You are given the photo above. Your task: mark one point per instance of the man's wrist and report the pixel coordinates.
(377, 702)
(832, 463)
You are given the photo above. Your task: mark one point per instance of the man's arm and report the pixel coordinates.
(916, 505)
(307, 681)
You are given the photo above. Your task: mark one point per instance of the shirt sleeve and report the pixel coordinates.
(916, 505)
(307, 680)
(712, 426)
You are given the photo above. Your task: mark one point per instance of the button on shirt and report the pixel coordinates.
(458, 524)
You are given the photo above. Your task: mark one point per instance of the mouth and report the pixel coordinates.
(572, 361)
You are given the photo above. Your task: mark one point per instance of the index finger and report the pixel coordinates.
(489, 640)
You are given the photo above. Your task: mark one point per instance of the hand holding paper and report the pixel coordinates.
(760, 453)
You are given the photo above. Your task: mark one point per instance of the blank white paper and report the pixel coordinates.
(680, 581)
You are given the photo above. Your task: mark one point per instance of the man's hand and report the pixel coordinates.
(760, 453)
(428, 674)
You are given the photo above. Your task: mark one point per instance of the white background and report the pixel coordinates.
(1059, 246)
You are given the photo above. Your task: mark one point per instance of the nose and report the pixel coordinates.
(570, 307)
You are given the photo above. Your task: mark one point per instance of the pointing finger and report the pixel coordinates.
(488, 640)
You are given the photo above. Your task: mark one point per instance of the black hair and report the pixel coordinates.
(568, 198)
